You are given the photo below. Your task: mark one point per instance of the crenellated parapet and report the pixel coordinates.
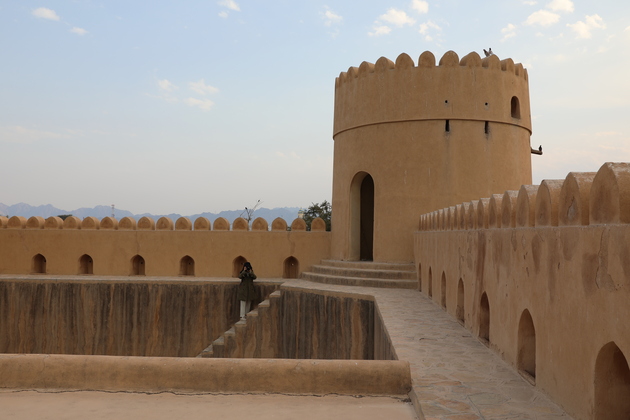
(582, 198)
(162, 247)
(471, 88)
(163, 223)
(541, 274)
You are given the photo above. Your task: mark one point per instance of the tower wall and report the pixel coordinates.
(430, 137)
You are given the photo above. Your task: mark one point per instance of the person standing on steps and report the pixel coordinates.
(246, 290)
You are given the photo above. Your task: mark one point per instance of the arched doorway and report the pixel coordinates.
(362, 217)
(187, 266)
(430, 283)
(612, 384)
(527, 345)
(86, 264)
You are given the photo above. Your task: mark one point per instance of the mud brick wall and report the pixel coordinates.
(105, 317)
(326, 326)
(296, 323)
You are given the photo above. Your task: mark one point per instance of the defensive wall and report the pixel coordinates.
(110, 247)
(111, 297)
(411, 138)
(542, 276)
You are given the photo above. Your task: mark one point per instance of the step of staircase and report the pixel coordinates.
(374, 265)
(364, 282)
(364, 273)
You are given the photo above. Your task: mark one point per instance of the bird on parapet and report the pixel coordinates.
(488, 53)
(540, 148)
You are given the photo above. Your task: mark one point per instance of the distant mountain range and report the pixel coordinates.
(26, 210)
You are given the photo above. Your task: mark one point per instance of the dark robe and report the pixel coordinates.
(246, 290)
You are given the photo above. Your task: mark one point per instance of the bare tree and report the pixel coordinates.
(248, 214)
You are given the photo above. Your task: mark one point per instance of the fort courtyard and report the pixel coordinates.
(449, 286)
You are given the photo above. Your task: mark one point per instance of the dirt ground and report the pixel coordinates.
(95, 405)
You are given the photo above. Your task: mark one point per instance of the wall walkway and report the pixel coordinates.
(454, 375)
(542, 276)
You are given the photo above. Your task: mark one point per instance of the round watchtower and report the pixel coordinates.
(411, 139)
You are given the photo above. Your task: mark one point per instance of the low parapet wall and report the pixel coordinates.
(158, 374)
(121, 248)
(543, 276)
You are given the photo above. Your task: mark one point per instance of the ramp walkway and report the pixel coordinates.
(455, 376)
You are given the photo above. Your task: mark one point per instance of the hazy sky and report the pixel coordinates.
(193, 106)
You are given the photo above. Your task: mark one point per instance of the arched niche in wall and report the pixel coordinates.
(443, 290)
(291, 268)
(420, 277)
(138, 266)
(38, 264)
(526, 359)
(237, 265)
(484, 319)
(430, 292)
(86, 264)
(459, 309)
(187, 266)
(515, 107)
(612, 384)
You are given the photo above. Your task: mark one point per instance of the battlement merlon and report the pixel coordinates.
(472, 89)
(581, 199)
(163, 224)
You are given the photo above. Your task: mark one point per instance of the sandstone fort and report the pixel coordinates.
(443, 258)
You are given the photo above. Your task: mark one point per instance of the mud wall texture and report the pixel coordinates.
(28, 246)
(104, 317)
(326, 326)
(543, 276)
(296, 323)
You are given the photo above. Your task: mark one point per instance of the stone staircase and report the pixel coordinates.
(248, 337)
(364, 273)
